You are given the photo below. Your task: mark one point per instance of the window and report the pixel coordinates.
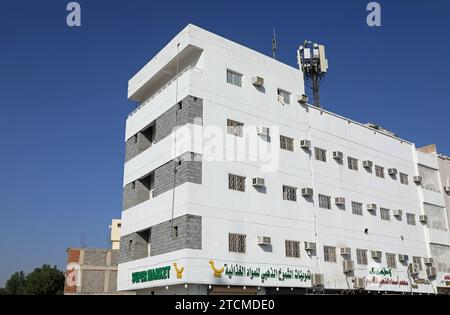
(236, 182)
(385, 214)
(390, 260)
(411, 218)
(321, 155)
(235, 128)
(292, 249)
(403, 179)
(361, 256)
(357, 208)
(237, 243)
(175, 231)
(234, 77)
(329, 253)
(324, 202)
(285, 96)
(379, 171)
(287, 143)
(418, 260)
(119, 224)
(352, 163)
(289, 193)
(133, 185)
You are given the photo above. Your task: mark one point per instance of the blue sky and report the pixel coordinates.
(63, 95)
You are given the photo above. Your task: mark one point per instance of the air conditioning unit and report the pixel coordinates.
(423, 218)
(305, 144)
(307, 192)
(428, 260)
(348, 265)
(414, 269)
(375, 254)
(338, 155)
(447, 189)
(258, 182)
(317, 280)
(263, 131)
(310, 246)
(392, 171)
(431, 272)
(346, 251)
(371, 207)
(402, 258)
(367, 164)
(417, 179)
(359, 283)
(264, 240)
(340, 201)
(257, 81)
(302, 99)
(397, 212)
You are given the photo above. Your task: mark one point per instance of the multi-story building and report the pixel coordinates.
(234, 185)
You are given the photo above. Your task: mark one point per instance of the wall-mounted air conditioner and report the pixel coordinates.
(397, 213)
(346, 251)
(392, 171)
(375, 254)
(447, 189)
(338, 155)
(359, 283)
(428, 260)
(317, 280)
(305, 144)
(371, 207)
(310, 246)
(264, 240)
(263, 131)
(367, 164)
(431, 272)
(402, 258)
(417, 179)
(340, 201)
(348, 265)
(423, 218)
(302, 99)
(257, 81)
(414, 269)
(259, 182)
(307, 192)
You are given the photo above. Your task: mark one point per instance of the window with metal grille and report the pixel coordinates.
(292, 249)
(430, 180)
(236, 182)
(321, 155)
(357, 208)
(403, 179)
(390, 260)
(411, 218)
(235, 128)
(287, 143)
(285, 96)
(361, 256)
(418, 260)
(379, 171)
(324, 202)
(289, 193)
(234, 77)
(329, 253)
(352, 163)
(237, 243)
(385, 214)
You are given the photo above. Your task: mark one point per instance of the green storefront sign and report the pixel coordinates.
(162, 273)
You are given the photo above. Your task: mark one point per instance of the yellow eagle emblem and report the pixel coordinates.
(179, 271)
(217, 272)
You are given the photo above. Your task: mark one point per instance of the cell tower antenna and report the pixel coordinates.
(314, 65)
(274, 45)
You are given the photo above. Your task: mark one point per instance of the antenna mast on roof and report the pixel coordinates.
(274, 45)
(312, 61)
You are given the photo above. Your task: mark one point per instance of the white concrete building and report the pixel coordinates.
(271, 196)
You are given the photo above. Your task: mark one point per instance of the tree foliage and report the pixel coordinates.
(45, 280)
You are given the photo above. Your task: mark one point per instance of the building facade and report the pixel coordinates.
(234, 185)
